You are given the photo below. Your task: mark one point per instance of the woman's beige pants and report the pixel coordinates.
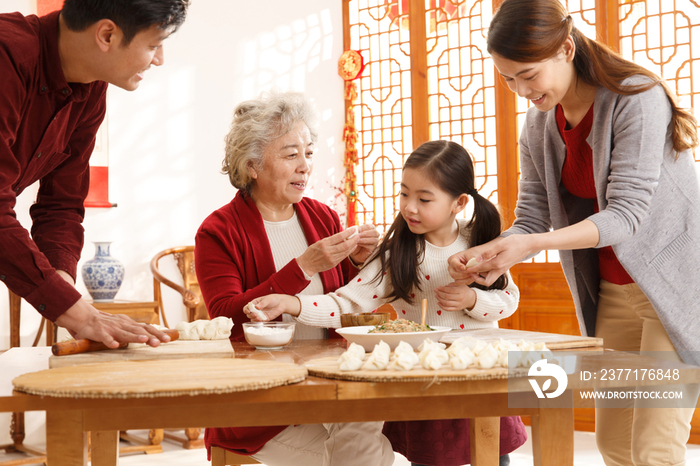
(631, 435)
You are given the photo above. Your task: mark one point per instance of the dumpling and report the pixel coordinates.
(404, 347)
(379, 359)
(468, 342)
(487, 358)
(403, 361)
(356, 349)
(462, 358)
(428, 343)
(351, 360)
(433, 358)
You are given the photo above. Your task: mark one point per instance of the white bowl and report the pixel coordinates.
(367, 340)
(268, 335)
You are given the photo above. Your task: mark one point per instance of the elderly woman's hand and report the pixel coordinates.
(328, 252)
(369, 238)
(271, 306)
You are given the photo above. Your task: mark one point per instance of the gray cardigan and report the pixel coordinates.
(649, 207)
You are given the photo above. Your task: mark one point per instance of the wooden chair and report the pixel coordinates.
(191, 295)
(196, 310)
(221, 457)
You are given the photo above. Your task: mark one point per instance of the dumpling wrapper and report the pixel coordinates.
(262, 317)
(462, 359)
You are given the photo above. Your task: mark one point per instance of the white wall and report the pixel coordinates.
(166, 138)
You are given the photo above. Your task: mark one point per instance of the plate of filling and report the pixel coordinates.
(392, 333)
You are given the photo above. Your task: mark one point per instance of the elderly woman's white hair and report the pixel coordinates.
(258, 122)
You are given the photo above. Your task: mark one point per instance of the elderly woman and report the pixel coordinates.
(272, 239)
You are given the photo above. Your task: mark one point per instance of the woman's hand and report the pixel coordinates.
(493, 259)
(369, 238)
(456, 296)
(272, 306)
(328, 252)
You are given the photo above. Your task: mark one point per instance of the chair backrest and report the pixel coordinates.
(191, 294)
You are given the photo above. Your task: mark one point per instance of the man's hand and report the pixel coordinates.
(84, 321)
(327, 253)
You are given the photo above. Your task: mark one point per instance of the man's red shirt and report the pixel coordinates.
(47, 133)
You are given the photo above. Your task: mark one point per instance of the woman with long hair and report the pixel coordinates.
(608, 179)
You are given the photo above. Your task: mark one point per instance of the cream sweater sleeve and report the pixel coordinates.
(362, 294)
(494, 305)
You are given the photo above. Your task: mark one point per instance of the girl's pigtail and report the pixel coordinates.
(484, 226)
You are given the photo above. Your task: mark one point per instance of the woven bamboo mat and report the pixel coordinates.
(150, 379)
(328, 368)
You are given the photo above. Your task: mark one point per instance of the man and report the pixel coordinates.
(54, 72)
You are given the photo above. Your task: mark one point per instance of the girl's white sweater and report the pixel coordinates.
(364, 294)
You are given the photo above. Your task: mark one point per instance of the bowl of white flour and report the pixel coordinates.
(268, 335)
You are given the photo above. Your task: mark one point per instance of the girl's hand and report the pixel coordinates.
(493, 259)
(369, 238)
(456, 296)
(272, 306)
(327, 253)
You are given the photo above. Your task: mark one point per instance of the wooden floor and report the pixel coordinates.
(586, 454)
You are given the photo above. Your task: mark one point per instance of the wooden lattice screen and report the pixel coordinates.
(433, 79)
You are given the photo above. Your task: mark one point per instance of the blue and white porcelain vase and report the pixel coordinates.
(103, 274)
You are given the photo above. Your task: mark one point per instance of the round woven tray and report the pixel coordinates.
(328, 368)
(159, 378)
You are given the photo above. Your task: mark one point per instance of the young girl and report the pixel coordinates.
(608, 178)
(411, 265)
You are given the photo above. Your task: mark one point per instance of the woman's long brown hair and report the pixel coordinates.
(450, 167)
(530, 31)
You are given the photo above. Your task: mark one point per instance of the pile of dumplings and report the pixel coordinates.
(465, 352)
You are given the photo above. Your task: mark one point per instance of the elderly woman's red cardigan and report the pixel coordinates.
(234, 265)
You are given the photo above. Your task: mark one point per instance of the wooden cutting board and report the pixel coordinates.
(159, 378)
(554, 341)
(177, 349)
(329, 368)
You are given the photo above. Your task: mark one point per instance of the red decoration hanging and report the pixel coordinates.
(350, 67)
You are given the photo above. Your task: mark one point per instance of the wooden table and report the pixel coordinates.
(315, 400)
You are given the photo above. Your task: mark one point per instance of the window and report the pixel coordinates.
(433, 79)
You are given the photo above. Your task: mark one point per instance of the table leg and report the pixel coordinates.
(484, 435)
(66, 442)
(553, 437)
(15, 312)
(104, 448)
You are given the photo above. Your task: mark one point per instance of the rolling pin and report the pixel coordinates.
(83, 346)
